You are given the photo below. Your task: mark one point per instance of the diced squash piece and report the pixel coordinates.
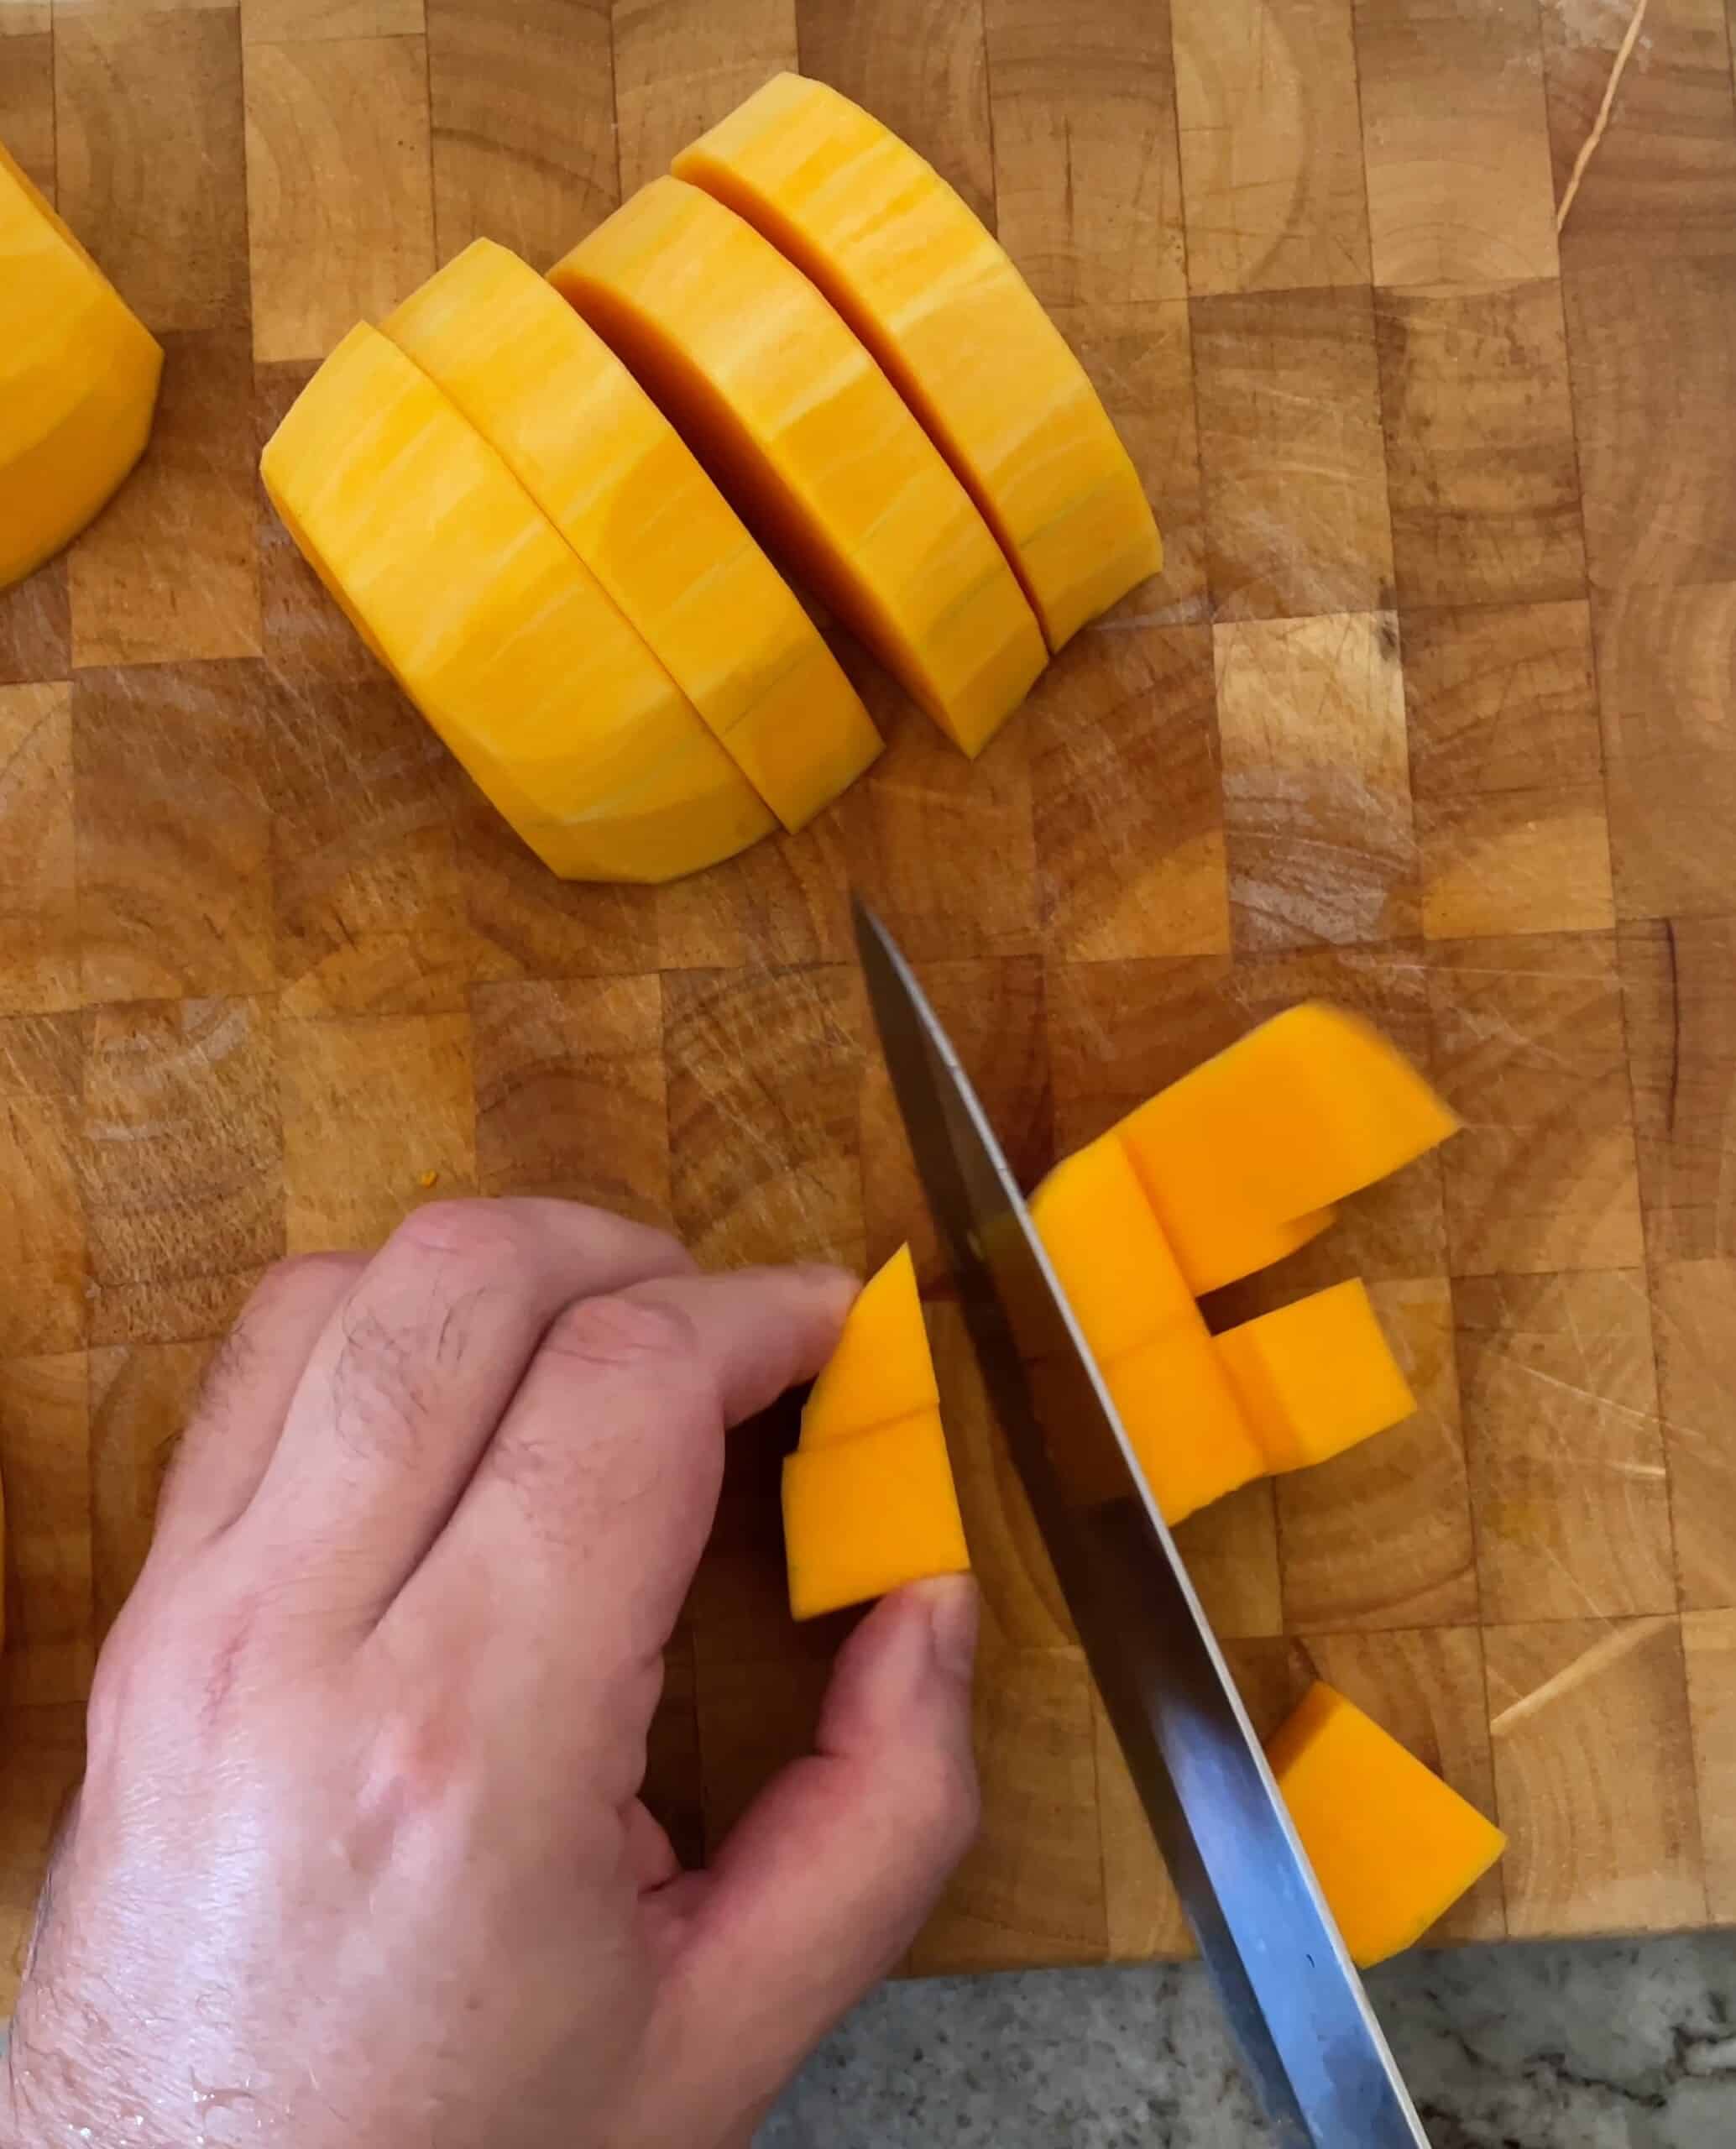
(814, 445)
(937, 302)
(867, 1515)
(1108, 1250)
(1315, 1376)
(496, 631)
(617, 481)
(1253, 1144)
(1182, 1417)
(78, 380)
(882, 1368)
(1392, 1846)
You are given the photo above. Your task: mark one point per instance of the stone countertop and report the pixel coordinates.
(1595, 2044)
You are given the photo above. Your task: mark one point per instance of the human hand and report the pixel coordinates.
(359, 1858)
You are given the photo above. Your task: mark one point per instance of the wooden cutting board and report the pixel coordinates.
(1431, 713)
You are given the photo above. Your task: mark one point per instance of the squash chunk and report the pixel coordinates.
(936, 299)
(1108, 1250)
(867, 1515)
(813, 444)
(882, 1368)
(1392, 1846)
(78, 381)
(1180, 1412)
(1315, 1376)
(1254, 1145)
(617, 481)
(496, 630)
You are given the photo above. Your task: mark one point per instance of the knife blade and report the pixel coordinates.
(1295, 2005)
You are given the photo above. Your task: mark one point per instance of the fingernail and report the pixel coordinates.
(955, 1607)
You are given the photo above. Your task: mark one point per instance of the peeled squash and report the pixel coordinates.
(615, 480)
(1108, 1250)
(935, 299)
(78, 381)
(496, 631)
(1392, 1846)
(868, 1497)
(1314, 1376)
(814, 445)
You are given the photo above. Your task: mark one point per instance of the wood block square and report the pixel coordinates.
(181, 1164)
(142, 1395)
(1380, 1537)
(1231, 1553)
(35, 627)
(27, 100)
(1593, 1849)
(39, 887)
(1653, 346)
(570, 1092)
(671, 1790)
(1317, 821)
(1140, 359)
(1271, 144)
(1530, 1047)
(1145, 1919)
(1709, 1641)
(1679, 995)
(43, 1307)
(173, 829)
(354, 110)
(993, 1011)
(785, 899)
(1127, 797)
(1290, 454)
(190, 502)
(522, 105)
(1120, 1030)
(44, 1751)
(1694, 1316)
(1665, 672)
(750, 1180)
(680, 65)
(1456, 138)
(45, 1461)
(1087, 183)
(293, 22)
(1507, 770)
(150, 158)
(1031, 1887)
(917, 65)
(370, 893)
(1565, 1451)
(379, 1116)
(1661, 179)
(24, 19)
(1481, 463)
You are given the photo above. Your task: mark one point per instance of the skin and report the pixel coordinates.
(359, 1857)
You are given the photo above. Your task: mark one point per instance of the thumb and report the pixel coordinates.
(824, 1882)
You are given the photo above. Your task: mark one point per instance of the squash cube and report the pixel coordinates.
(867, 1515)
(1315, 1376)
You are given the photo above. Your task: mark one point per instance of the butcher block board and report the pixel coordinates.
(1430, 712)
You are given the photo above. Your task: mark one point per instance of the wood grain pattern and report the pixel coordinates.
(1428, 715)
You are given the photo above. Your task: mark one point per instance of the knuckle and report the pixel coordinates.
(299, 1272)
(479, 1234)
(620, 1332)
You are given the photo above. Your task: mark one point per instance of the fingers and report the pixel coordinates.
(239, 1416)
(824, 1883)
(572, 1547)
(406, 1384)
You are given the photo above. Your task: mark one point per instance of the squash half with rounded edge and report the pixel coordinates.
(497, 630)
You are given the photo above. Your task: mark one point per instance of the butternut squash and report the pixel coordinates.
(78, 380)
(496, 631)
(956, 328)
(866, 1514)
(617, 481)
(882, 1368)
(814, 444)
(1393, 1847)
(1314, 1376)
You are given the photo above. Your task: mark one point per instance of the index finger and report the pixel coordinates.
(569, 1555)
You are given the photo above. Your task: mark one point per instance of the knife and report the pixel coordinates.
(1296, 2006)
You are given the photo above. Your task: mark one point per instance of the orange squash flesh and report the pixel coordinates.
(1393, 1847)
(814, 444)
(935, 299)
(1108, 1251)
(1315, 1376)
(881, 1367)
(868, 1514)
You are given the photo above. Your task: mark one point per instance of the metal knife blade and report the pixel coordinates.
(1295, 2005)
